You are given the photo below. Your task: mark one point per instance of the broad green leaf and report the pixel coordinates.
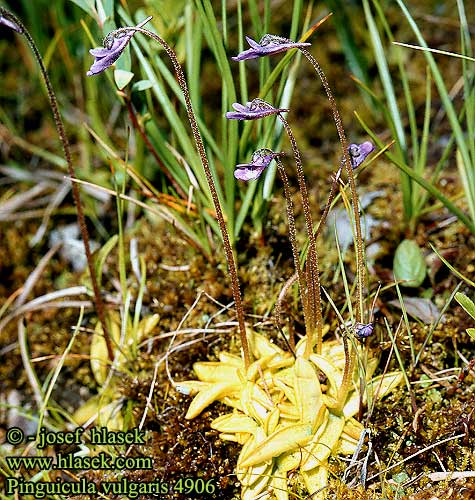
(122, 78)
(213, 371)
(323, 442)
(466, 303)
(316, 481)
(279, 485)
(142, 85)
(233, 423)
(308, 392)
(255, 481)
(471, 332)
(409, 264)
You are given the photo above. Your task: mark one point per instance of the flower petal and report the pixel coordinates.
(259, 162)
(253, 110)
(248, 172)
(252, 43)
(114, 44)
(359, 152)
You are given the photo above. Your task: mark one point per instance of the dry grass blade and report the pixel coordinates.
(29, 371)
(34, 276)
(49, 300)
(159, 210)
(21, 199)
(56, 200)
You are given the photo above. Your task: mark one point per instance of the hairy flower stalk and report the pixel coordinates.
(345, 387)
(273, 44)
(313, 280)
(360, 268)
(293, 240)
(260, 160)
(358, 153)
(11, 21)
(256, 109)
(118, 34)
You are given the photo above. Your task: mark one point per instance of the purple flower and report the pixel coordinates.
(259, 162)
(362, 330)
(359, 152)
(268, 45)
(114, 44)
(253, 110)
(10, 24)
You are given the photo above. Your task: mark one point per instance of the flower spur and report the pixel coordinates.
(8, 23)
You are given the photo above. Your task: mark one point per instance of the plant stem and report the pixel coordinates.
(211, 184)
(331, 197)
(313, 280)
(281, 297)
(360, 269)
(71, 170)
(293, 238)
(343, 391)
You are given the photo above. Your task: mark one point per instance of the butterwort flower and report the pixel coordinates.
(363, 330)
(259, 162)
(267, 46)
(10, 24)
(359, 152)
(114, 44)
(253, 110)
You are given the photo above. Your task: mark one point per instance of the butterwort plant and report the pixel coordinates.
(9, 20)
(282, 415)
